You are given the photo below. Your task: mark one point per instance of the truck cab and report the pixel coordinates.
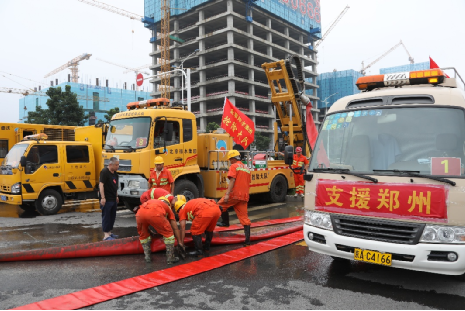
(386, 177)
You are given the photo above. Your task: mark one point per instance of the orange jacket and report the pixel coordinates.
(156, 208)
(241, 173)
(155, 193)
(299, 161)
(198, 207)
(164, 180)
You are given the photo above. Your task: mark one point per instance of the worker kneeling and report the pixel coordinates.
(158, 214)
(204, 214)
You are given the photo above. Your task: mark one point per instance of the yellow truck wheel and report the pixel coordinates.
(49, 202)
(186, 188)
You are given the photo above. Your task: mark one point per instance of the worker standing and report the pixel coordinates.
(158, 214)
(299, 165)
(108, 189)
(161, 177)
(204, 214)
(237, 194)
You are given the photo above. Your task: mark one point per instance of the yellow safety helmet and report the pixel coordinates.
(159, 160)
(181, 197)
(233, 154)
(164, 199)
(179, 203)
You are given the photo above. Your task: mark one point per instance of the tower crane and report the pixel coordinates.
(135, 70)
(363, 70)
(73, 65)
(113, 9)
(332, 26)
(165, 49)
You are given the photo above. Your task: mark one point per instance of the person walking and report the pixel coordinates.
(161, 177)
(298, 167)
(108, 188)
(204, 214)
(158, 214)
(237, 194)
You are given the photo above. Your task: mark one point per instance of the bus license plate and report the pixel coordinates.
(373, 257)
(3, 197)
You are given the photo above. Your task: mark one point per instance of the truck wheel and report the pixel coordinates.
(186, 188)
(278, 189)
(49, 202)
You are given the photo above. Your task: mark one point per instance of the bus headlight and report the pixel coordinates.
(16, 188)
(443, 234)
(317, 219)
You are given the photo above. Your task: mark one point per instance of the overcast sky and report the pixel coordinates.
(38, 36)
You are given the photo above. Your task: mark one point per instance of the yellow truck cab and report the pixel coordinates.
(386, 178)
(197, 162)
(40, 173)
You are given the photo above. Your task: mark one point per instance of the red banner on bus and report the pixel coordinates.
(391, 200)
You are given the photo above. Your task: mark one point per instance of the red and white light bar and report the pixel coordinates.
(431, 76)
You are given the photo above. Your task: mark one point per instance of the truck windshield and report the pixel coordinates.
(128, 133)
(14, 155)
(421, 140)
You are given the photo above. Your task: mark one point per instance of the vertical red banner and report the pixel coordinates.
(237, 124)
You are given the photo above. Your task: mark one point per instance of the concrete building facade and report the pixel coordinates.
(228, 64)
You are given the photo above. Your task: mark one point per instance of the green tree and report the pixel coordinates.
(110, 114)
(262, 142)
(63, 109)
(212, 126)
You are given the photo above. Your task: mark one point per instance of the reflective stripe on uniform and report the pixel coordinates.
(169, 240)
(190, 216)
(145, 241)
(243, 169)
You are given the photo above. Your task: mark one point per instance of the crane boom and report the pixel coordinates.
(27, 92)
(363, 71)
(165, 49)
(410, 58)
(73, 65)
(332, 26)
(129, 69)
(138, 69)
(112, 9)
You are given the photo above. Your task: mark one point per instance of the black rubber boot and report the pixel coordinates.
(247, 235)
(208, 240)
(198, 246)
(224, 220)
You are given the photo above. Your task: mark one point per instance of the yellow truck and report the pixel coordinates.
(13, 133)
(387, 177)
(40, 173)
(197, 162)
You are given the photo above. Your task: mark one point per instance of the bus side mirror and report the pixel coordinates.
(23, 161)
(288, 155)
(168, 131)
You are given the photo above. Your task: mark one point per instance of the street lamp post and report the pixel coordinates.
(187, 82)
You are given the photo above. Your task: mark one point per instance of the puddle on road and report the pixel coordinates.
(14, 211)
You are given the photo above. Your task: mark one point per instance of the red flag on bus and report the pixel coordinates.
(237, 124)
(432, 65)
(312, 132)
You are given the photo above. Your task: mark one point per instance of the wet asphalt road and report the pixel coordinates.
(288, 278)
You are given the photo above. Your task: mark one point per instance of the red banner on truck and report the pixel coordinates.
(390, 200)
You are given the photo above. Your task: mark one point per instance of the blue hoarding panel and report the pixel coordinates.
(404, 68)
(305, 14)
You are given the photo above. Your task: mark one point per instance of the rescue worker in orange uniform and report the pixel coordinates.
(204, 214)
(161, 177)
(158, 214)
(237, 194)
(156, 193)
(299, 165)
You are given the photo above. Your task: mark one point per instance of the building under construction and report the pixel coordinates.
(233, 38)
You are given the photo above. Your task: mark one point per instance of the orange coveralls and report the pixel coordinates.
(164, 180)
(157, 214)
(155, 193)
(299, 178)
(203, 213)
(239, 195)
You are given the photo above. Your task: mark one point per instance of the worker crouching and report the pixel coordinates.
(158, 214)
(237, 194)
(204, 214)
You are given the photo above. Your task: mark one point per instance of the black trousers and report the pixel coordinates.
(108, 216)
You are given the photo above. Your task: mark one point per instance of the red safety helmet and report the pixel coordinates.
(298, 149)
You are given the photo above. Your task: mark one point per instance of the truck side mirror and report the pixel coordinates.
(23, 161)
(168, 131)
(288, 155)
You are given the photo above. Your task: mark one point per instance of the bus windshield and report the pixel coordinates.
(422, 140)
(124, 133)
